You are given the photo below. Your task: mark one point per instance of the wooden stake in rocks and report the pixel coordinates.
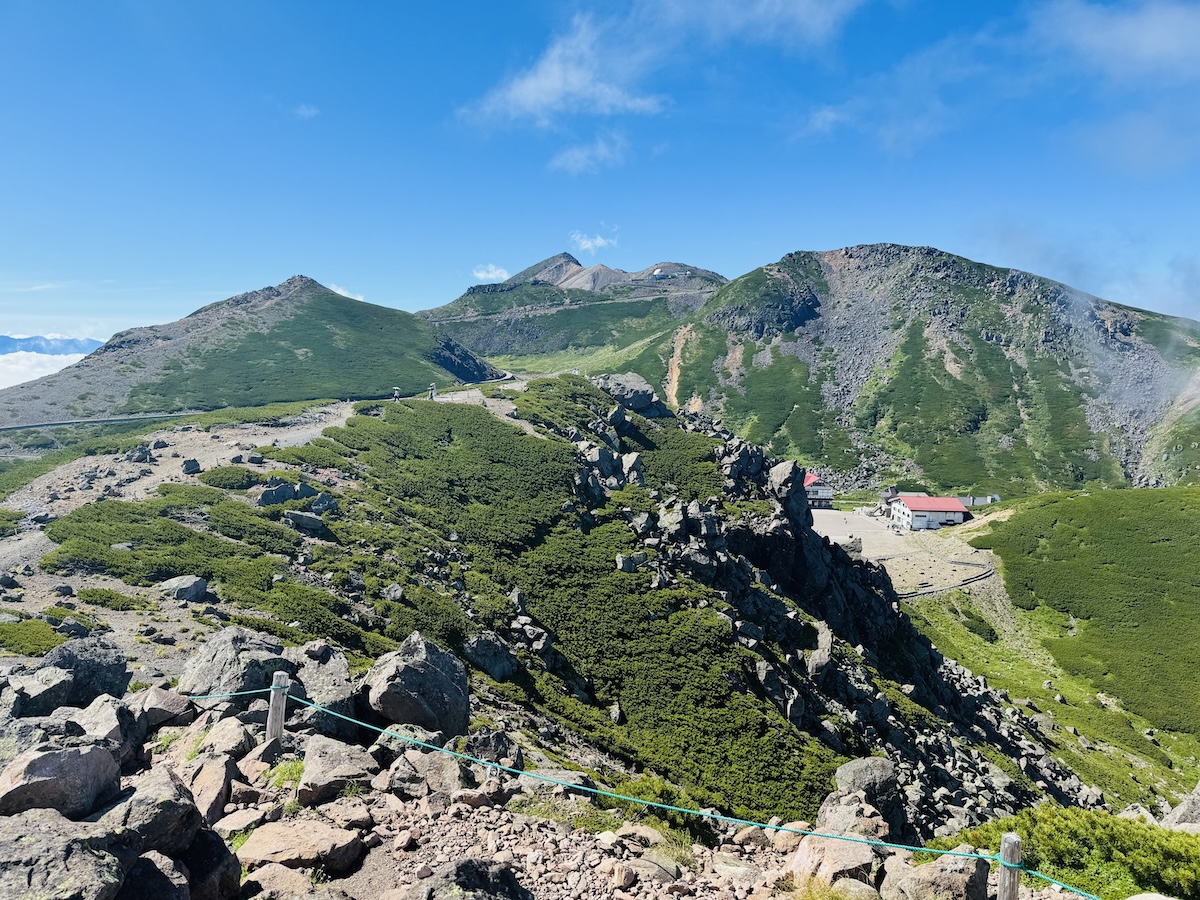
(275, 715)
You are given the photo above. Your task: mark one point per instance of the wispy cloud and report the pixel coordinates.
(1125, 41)
(582, 71)
(805, 22)
(306, 111)
(585, 243)
(32, 288)
(602, 153)
(490, 272)
(338, 289)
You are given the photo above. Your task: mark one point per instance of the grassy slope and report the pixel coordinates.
(333, 348)
(1123, 564)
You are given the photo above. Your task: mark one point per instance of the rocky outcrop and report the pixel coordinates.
(420, 684)
(234, 659)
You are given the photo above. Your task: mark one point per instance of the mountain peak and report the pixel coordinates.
(553, 270)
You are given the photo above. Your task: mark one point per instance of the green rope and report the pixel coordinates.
(733, 820)
(265, 690)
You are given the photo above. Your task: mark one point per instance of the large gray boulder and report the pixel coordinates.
(44, 854)
(785, 482)
(952, 877)
(330, 766)
(420, 684)
(875, 776)
(155, 876)
(634, 393)
(158, 807)
(234, 659)
(110, 719)
(42, 691)
(99, 667)
(185, 588)
(489, 654)
(301, 843)
(71, 780)
(323, 677)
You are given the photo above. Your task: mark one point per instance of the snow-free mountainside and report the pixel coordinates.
(601, 583)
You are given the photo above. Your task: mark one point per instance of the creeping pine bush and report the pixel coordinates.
(1098, 852)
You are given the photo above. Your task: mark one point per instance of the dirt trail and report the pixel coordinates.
(672, 385)
(501, 408)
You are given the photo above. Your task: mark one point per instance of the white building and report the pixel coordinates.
(820, 495)
(919, 513)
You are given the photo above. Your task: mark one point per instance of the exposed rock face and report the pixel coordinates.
(323, 677)
(70, 780)
(296, 844)
(185, 588)
(158, 808)
(97, 664)
(420, 684)
(489, 653)
(52, 852)
(330, 766)
(634, 393)
(234, 659)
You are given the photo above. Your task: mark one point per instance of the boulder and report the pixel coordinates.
(109, 719)
(158, 807)
(785, 482)
(208, 777)
(401, 779)
(420, 684)
(159, 706)
(234, 659)
(301, 843)
(191, 467)
(185, 588)
(71, 780)
(214, 872)
(466, 879)
(98, 665)
(875, 776)
(155, 877)
(310, 523)
(330, 766)
(952, 877)
(322, 677)
(228, 737)
(488, 653)
(53, 852)
(41, 692)
(280, 493)
(634, 393)
(274, 880)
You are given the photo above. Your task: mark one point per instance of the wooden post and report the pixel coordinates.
(275, 715)
(1010, 878)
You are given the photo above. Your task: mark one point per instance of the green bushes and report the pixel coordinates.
(29, 637)
(9, 519)
(110, 599)
(1122, 563)
(232, 478)
(1110, 857)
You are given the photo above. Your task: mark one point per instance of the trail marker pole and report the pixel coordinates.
(275, 715)
(1010, 878)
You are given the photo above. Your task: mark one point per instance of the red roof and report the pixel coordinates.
(810, 478)
(933, 504)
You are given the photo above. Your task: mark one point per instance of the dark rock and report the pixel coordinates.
(281, 493)
(41, 692)
(420, 684)
(98, 665)
(185, 588)
(322, 677)
(158, 807)
(634, 393)
(310, 523)
(56, 857)
(487, 652)
(214, 872)
(234, 659)
(155, 877)
(191, 467)
(330, 766)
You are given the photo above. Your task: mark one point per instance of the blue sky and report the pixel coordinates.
(161, 156)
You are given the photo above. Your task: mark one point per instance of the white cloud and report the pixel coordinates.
(338, 289)
(605, 151)
(1154, 40)
(580, 72)
(22, 366)
(584, 243)
(32, 288)
(306, 111)
(762, 21)
(490, 272)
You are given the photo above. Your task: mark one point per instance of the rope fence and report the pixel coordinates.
(1008, 858)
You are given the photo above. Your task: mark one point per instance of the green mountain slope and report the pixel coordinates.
(882, 363)
(296, 341)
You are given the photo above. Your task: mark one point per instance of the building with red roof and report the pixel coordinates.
(918, 513)
(820, 495)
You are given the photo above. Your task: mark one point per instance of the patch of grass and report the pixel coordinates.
(29, 637)
(238, 838)
(9, 520)
(232, 478)
(286, 773)
(114, 600)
